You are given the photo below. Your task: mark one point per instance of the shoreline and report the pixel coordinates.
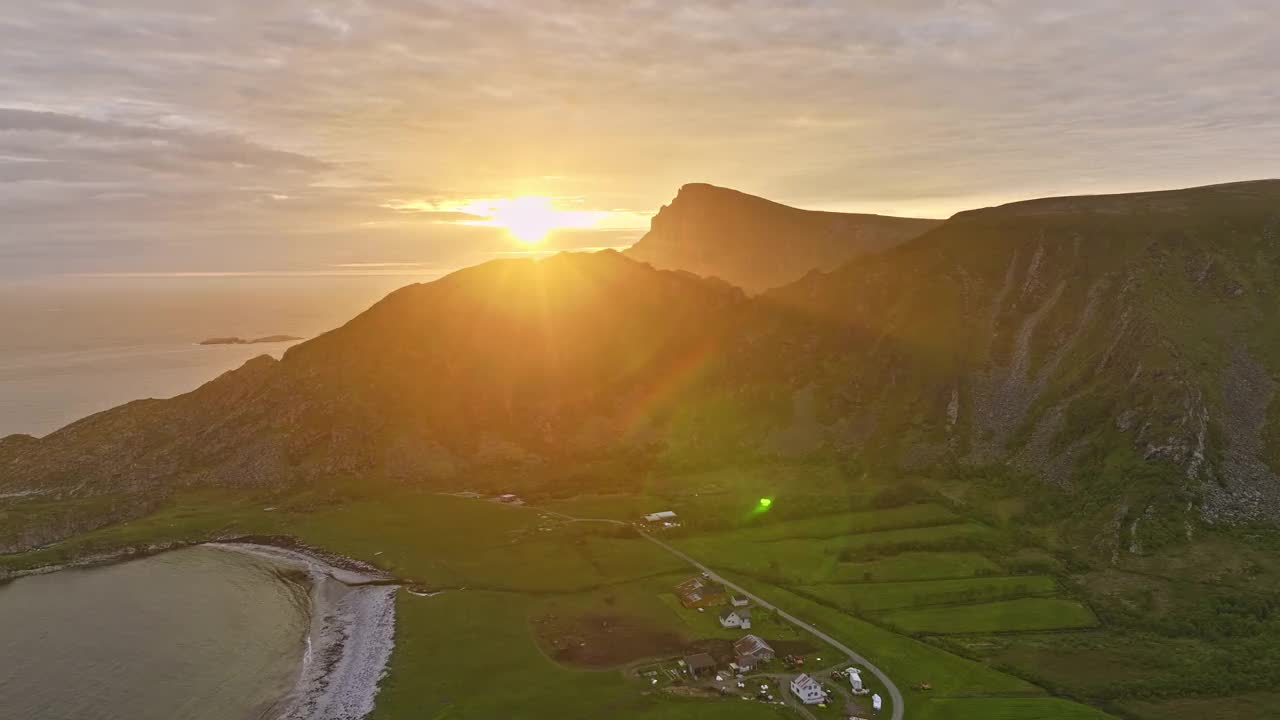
(350, 636)
(95, 560)
(351, 628)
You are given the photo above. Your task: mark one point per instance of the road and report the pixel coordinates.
(895, 695)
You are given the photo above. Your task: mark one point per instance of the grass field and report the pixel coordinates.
(907, 566)
(1022, 614)
(471, 655)
(906, 660)
(553, 610)
(843, 524)
(490, 650)
(804, 561)
(1252, 705)
(1005, 709)
(875, 596)
(981, 691)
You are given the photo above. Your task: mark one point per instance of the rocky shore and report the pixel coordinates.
(351, 636)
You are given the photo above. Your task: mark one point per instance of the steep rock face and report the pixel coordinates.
(758, 244)
(1085, 341)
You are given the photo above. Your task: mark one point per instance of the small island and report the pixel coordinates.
(254, 341)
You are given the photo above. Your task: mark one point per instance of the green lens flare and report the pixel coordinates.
(766, 502)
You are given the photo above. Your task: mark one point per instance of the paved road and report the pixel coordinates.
(895, 696)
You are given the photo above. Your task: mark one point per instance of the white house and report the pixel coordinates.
(736, 618)
(807, 690)
(660, 516)
(855, 682)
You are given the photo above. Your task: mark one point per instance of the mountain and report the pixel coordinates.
(758, 244)
(1118, 352)
(1119, 348)
(513, 360)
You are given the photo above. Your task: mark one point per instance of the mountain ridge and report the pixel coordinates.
(758, 244)
(1127, 361)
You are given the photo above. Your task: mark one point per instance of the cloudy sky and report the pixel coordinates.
(148, 136)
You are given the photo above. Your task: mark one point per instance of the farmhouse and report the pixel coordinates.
(700, 664)
(807, 690)
(751, 646)
(736, 618)
(738, 600)
(510, 498)
(665, 515)
(698, 592)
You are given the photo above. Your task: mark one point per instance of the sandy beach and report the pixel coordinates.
(350, 639)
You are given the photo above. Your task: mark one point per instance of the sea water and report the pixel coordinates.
(198, 633)
(69, 348)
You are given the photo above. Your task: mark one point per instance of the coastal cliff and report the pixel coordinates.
(759, 244)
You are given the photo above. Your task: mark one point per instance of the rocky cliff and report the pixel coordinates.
(1122, 348)
(758, 244)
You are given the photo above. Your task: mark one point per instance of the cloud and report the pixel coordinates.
(150, 127)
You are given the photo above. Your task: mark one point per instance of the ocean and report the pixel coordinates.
(198, 634)
(70, 347)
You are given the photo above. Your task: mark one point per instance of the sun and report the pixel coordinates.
(528, 219)
(531, 219)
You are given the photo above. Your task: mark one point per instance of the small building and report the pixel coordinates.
(736, 618)
(665, 515)
(739, 600)
(509, 498)
(699, 592)
(752, 646)
(855, 682)
(700, 664)
(876, 702)
(745, 663)
(807, 690)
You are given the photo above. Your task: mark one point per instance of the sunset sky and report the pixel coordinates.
(376, 135)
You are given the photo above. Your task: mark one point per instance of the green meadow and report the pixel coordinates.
(1019, 615)
(550, 617)
(472, 655)
(875, 596)
(1005, 709)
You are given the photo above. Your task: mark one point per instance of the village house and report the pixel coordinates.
(736, 618)
(699, 664)
(738, 600)
(698, 592)
(807, 690)
(751, 646)
(664, 516)
(745, 663)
